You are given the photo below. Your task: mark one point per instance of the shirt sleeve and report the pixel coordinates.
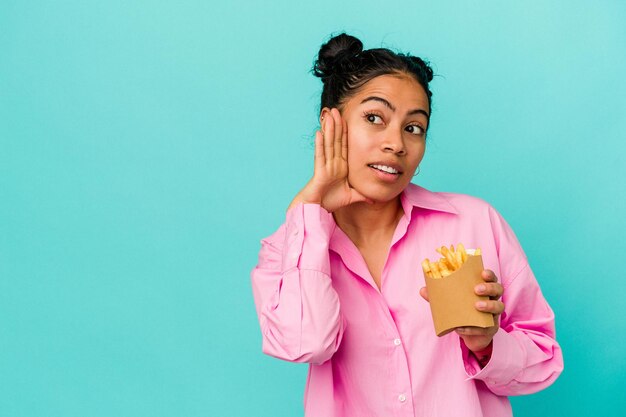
(525, 355)
(297, 307)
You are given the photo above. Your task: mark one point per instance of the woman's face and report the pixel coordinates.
(387, 121)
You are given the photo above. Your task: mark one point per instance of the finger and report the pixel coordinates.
(319, 151)
(337, 143)
(490, 289)
(473, 331)
(424, 293)
(329, 134)
(344, 140)
(489, 276)
(490, 306)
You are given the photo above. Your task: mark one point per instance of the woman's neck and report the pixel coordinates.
(364, 223)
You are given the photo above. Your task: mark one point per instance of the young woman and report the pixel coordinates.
(338, 285)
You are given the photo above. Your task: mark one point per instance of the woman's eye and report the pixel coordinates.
(373, 118)
(415, 129)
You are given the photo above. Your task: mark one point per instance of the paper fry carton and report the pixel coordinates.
(452, 298)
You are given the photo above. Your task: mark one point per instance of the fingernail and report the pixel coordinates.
(482, 288)
(481, 304)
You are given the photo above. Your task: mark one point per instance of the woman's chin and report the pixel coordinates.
(375, 190)
(381, 197)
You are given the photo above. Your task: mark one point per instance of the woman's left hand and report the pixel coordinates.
(478, 338)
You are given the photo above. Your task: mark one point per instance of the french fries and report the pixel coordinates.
(451, 261)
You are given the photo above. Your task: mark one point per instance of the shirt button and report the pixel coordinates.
(397, 342)
(402, 398)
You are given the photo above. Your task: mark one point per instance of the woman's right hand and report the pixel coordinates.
(329, 186)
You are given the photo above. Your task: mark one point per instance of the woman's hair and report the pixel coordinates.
(344, 67)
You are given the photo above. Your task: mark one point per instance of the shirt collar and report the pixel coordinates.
(416, 196)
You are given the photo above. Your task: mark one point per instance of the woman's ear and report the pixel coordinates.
(323, 114)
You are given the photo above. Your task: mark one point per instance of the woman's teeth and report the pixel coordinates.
(385, 168)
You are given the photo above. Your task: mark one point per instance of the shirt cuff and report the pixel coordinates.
(506, 361)
(307, 235)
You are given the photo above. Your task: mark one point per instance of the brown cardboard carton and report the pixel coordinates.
(452, 298)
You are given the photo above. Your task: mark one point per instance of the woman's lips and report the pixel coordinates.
(385, 172)
(386, 168)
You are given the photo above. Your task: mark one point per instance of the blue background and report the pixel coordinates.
(147, 146)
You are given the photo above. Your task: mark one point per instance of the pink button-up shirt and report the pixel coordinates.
(375, 353)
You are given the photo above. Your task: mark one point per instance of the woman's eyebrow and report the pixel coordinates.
(392, 108)
(382, 100)
(419, 111)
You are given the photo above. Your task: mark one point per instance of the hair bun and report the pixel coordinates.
(336, 56)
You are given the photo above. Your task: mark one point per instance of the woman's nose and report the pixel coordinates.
(393, 143)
